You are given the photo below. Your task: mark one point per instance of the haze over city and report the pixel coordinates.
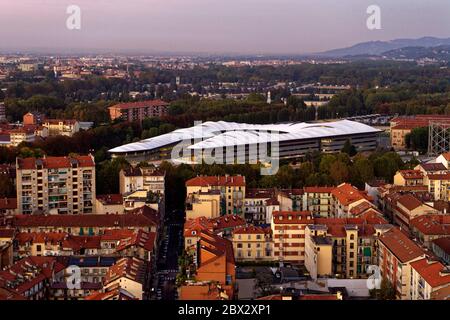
(204, 26)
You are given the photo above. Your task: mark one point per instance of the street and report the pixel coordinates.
(167, 264)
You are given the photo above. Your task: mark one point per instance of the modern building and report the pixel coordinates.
(56, 185)
(230, 142)
(138, 111)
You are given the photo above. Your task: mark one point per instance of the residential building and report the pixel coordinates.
(318, 252)
(427, 277)
(56, 185)
(441, 248)
(408, 178)
(396, 252)
(288, 230)
(345, 197)
(407, 208)
(63, 127)
(232, 191)
(144, 218)
(439, 185)
(30, 277)
(109, 204)
(252, 243)
(426, 228)
(142, 178)
(138, 111)
(203, 204)
(318, 200)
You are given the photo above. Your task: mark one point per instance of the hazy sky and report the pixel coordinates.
(216, 26)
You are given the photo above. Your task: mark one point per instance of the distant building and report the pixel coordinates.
(33, 118)
(402, 126)
(138, 111)
(252, 243)
(56, 185)
(61, 127)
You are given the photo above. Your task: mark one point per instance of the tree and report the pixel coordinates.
(264, 282)
(349, 148)
(386, 291)
(339, 172)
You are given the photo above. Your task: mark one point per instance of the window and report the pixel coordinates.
(352, 237)
(39, 248)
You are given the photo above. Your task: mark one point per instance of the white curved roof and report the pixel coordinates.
(221, 134)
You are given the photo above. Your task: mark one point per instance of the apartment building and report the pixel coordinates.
(215, 266)
(409, 178)
(138, 111)
(352, 241)
(129, 274)
(345, 197)
(232, 191)
(288, 232)
(30, 277)
(203, 204)
(318, 252)
(439, 185)
(144, 218)
(62, 127)
(149, 179)
(56, 185)
(251, 243)
(318, 200)
(408, 207)
(109, 204)
(396, 252)
(427, 228)
(428, 277)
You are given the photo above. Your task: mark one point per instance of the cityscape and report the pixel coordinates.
(180, 176)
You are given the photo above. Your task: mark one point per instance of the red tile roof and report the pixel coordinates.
(227, 222)
(431, 272)
(141, 239)
(56, 162)
(205, 181)
(409, 202)
(411, 174)
(132, 268)
(318, 189)
(250, 230)
(400, 245)
(432, 224)
(88, 220)
(347, 194)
